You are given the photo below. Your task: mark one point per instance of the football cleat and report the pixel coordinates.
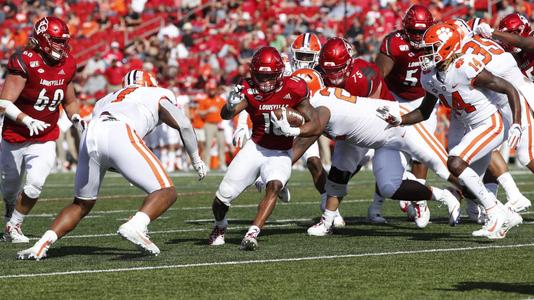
(284, 195)
(320, 229)
(492, 229)
(453, 205)
(374, 215)
(422, 216)
(217, 236)
(519, 203)
(249, 242)
(37, 252)
(475, 212)
(339, 222)
(13, 234)
(407, 207)
(513, 219)
(139, 238)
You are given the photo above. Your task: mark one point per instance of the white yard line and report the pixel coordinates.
(263, 261)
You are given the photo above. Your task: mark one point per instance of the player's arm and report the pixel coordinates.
(176, 118)
(525, 43)
(71, 105)
(485, 79)
(235, 104)
(300, 145)
(384, 63)
(421, 113)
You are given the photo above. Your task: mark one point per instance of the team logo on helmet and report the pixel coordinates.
(42, 26)
(444, 34)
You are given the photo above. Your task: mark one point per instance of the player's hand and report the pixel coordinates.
(241, 135)
(236, 96)
(514, 135)
(384, 114)
(201, 168)
(281, 126)
(34, 125)
(484, 29)
(78, 123)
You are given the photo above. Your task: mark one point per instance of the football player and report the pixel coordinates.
(39, 80)
(461, 82)
(114, 140)
(266, 154)
(398, 62)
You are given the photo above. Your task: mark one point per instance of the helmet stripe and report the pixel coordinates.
(306, 41)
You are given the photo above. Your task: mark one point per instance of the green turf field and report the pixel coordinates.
(361, 261)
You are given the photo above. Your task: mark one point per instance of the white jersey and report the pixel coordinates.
(354, 119)
(136, 106)
(453, 87)
(502, 64)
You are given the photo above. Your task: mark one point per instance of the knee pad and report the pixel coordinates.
(388, 188)
(32, 191)
(226, 193)
(335, 189)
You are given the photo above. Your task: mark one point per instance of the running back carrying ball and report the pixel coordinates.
(294, 118)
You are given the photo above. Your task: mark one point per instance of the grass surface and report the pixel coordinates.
(361, 261)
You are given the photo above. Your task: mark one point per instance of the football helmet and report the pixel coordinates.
(440, 42)
(137, 78)
(335, 59)
(463, 28)
(313, 79)
(516, 24)
(305, 51)
(266, 69)
(51, 35)
(415, 22)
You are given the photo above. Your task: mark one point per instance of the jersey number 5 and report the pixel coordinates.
(44, 101)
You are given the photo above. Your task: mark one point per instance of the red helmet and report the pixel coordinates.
(416, 21)
(52, 36)
(334, 61)
(266, 69)
(516, 24)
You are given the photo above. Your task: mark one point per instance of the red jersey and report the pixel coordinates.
(292, 91)
(44, 90)
(364, 80)
(404, 78)
(525, 61)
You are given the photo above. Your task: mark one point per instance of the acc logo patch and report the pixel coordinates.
(34, 64)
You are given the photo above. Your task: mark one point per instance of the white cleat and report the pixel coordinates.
(453, 205)
(374, 215)
(217, 236)
(475, 212)
(422, 216)
(13, 234)
(249, 242)
(492, 229)
(139, 238)
(513, 219)
(408, 208)
(339, 222)
(284, 195)
(37, 252)
(519, 203)
(320, 229)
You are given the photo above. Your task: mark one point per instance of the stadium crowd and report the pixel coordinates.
(202, 47)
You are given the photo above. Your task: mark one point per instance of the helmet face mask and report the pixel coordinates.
(431, 58)
(336, 75)
(266, 69)
(305, 51)
(266, 82)
(302, 59)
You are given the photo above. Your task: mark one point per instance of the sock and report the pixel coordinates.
(508, 185)
(16, 218)
(140, 219)
(253, 231)
(437, 194)
(378, 201)
(221, 224)
(492, 187)
(324, 197)
(473, 182)
(329, 216)
(49, 236)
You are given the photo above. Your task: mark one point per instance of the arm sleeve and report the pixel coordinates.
(242, 119)
(187, 132)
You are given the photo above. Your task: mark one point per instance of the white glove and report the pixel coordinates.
(241, 135)
(281, 126)
(34, 125)
(484, 30)
(235, 96)
(201, 168)
(384, 114)
(78, 122)
(514, 135)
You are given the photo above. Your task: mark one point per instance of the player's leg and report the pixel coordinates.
(241, 173)
(315, 166)
(39, 159)
(275, 170)
(11, 159)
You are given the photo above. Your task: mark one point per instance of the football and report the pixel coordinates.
(294, 118)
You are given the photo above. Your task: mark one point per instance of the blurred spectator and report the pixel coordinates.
(114, 74)
(114, 53)
(89, 27)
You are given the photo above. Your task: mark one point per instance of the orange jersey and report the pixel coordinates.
(212, 107)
